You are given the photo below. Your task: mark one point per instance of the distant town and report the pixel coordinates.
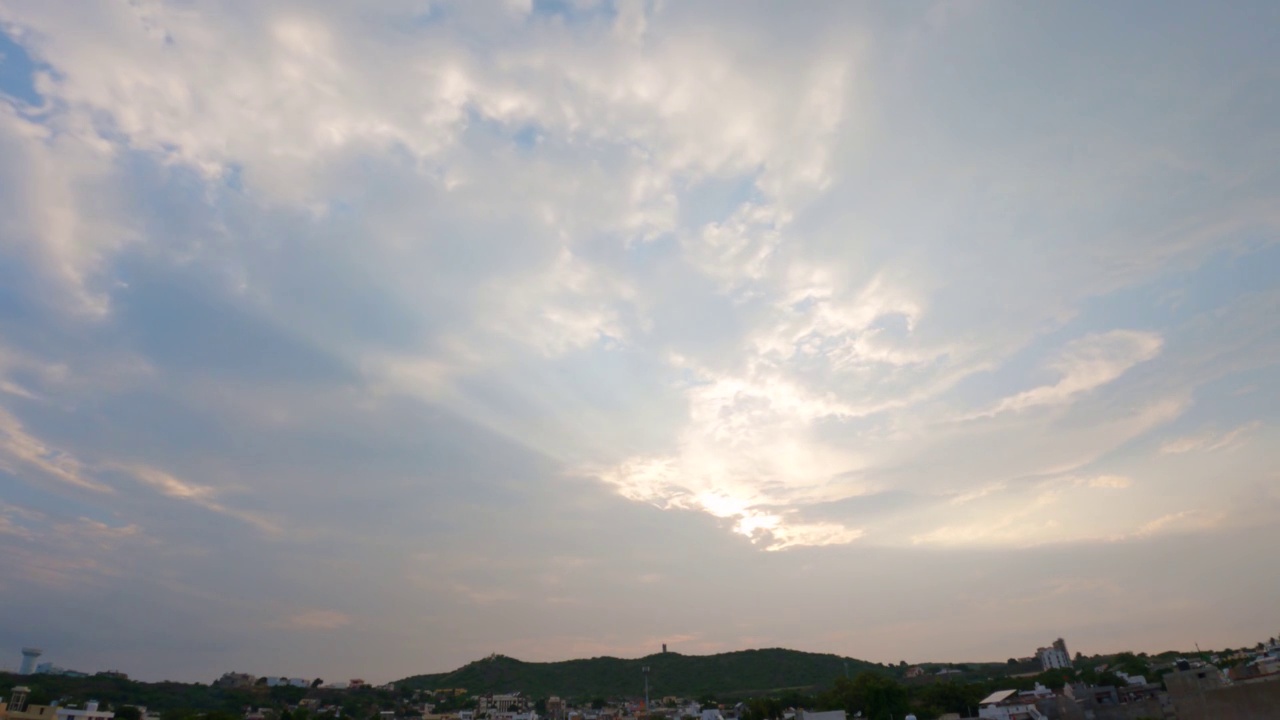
(1051, 684)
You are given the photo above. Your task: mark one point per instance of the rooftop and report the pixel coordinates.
(997, 696)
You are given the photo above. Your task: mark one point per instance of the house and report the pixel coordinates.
(91, 711)
(1009, 705)
(17, 708)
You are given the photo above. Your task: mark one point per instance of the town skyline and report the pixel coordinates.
(1234, 684)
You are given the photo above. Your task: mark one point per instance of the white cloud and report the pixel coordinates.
(1109, 482)
(524, 193)
(1180, 522)
(200, 495)
(20, 451)
(1210, 441)
(1085, 364)
(62, 211)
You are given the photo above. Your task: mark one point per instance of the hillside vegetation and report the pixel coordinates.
(730, 674)
(160, 696)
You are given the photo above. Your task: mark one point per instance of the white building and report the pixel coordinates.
(1131, 679)
(90, 712)
(1055, 656)
(1008, 705)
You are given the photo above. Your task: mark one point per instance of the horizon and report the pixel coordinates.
(380, 335)
(340, 678)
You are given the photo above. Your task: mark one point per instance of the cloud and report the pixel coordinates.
(47, 218)
(62, 551)
(1210, 441)
(1181, 522)
(200, 495)
(14, 519)
(318, 620)
(1109, 482)
(1085, 364)
(21, 450)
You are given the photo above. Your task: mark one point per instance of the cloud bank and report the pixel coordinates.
(514, 321)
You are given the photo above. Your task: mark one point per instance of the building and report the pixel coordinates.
(1012, 705)
(91, 711)
(29, 655)
(1203, 693)
(1054, 657)
(1187, 680)
(499, 703)
(18, 709)
(48, 668)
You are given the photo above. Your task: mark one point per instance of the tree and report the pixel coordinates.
(1130, 664)
(128, 712)
(876, 696)
(793, 699)
(317, 682)
(763, 708)
(1011, 661)
(947, 697)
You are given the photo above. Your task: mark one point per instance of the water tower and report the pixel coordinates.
(29, 656)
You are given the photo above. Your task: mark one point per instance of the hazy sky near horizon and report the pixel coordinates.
(363, 339)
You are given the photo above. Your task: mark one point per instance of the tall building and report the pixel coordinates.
(29, 655)
(1055, 656)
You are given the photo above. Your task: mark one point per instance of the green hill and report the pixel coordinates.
(725, 675)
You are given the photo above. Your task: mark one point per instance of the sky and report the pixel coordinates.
(365, 339)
